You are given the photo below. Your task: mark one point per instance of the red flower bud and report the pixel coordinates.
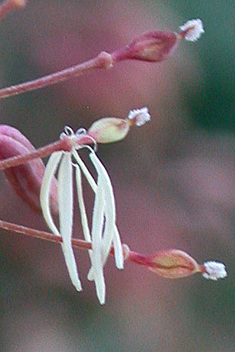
(25, 179)
(172, 264)
(152, 46)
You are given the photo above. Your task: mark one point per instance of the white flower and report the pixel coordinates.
(104, 231)
(214, 270)
(139, 116)
(193, 29)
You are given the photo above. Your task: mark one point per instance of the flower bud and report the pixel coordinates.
(109, 129)
(152, 46)
(26, 178)
(112, 129)
(173, 264)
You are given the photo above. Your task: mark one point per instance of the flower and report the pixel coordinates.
(104, 231)
(172, 264)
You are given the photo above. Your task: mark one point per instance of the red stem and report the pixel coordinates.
(39, 153)
(41, 234)
(58, 239)
(64, 144)
(102, 61)
(129, 255)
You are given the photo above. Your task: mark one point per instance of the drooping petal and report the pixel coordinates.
(81, 204)
(65, 203)
(86, 172)
(118, 250)
(109, 206)
(97, 228)
(45, 190)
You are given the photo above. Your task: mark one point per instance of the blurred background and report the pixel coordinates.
(173, 178)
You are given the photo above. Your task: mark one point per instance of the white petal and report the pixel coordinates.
(118, 250)
(81, 204)
(100, 286)
(84, 220)
(91, 181)
(97, 228)
(65, 203)
(86, 172)
(45, 190)
(109, 205)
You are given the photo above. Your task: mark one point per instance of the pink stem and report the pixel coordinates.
(130, 256)
(57, 239)
(38, 153)
(102, 61)
(62, 144)
(41, 234)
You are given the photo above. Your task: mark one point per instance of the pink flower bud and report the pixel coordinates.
(152, 46)
(25, 179)
(109, 129)
(172, 264)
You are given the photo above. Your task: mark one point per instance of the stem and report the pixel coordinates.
(47, 236)
(102, 61)
(129, 255)
(64, 144)
(39, 153)
(41, 234)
